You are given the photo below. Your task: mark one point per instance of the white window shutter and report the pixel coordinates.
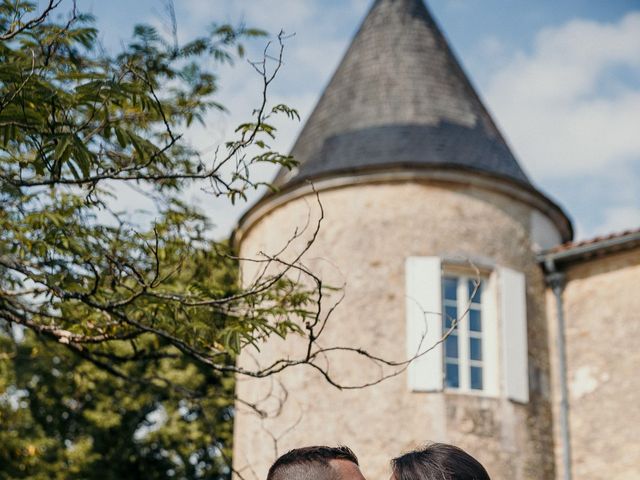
(491, 336)
(424, 323)
(515, 356)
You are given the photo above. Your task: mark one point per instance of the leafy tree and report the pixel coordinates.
(63, 418)
(74, 123)
(107, 322)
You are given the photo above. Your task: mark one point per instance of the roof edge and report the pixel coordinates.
(404, 173)
(586, 250)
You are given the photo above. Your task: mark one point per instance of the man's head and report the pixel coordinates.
(438, 461)
(316, 463)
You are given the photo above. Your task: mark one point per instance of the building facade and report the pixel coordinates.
(450, 256)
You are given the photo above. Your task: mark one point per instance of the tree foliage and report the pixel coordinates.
(75, 123)
(63, 418)
(107, 322)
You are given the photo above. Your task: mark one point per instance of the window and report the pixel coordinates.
(487, 351)
(462, 320)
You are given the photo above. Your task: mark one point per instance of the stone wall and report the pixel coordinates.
(367, 233)
(602, 309)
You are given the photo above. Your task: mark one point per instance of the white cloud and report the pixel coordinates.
(269, 14)
(491, 47)
(564, 107)
(618, 219)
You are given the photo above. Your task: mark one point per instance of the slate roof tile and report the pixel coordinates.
(400, 97)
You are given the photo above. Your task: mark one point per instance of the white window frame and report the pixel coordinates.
(504, 328)
(464, 304)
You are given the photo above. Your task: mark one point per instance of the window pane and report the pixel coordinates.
(475, 320)
(476, 378)
(477, 298)
(451, 347)
(450, 287)
(475, 348)
(452, 379)
(451, 314)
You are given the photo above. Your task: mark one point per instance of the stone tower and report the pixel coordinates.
(421, 197)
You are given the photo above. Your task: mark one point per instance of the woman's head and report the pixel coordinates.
(438, 461)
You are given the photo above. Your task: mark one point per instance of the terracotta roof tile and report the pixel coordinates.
(565, 247)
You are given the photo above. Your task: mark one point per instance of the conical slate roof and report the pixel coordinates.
(400, 99)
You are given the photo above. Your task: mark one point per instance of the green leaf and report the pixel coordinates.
(122, 136)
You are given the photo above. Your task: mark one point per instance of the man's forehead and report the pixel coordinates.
(347, 470)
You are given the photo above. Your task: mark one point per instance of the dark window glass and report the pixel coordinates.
(477, 298)
(450, 286)
(451, 347)
(452, 379)
(475, 320)
(476, 378)
(451, 314)
(475, 349)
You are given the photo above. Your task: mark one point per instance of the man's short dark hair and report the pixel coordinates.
(310, 463)
(438, 461)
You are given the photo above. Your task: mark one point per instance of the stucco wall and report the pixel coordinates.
(367, 233)
(602, 309)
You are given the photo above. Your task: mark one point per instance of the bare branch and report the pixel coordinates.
(18, 26)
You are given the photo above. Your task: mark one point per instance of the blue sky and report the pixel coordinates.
(562, 79)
